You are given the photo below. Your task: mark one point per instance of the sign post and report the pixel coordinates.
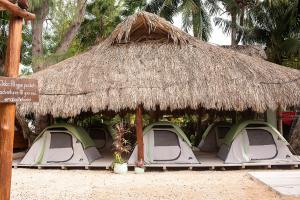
(7, 109)
(16, 90)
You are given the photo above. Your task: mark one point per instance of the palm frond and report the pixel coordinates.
(224, 24)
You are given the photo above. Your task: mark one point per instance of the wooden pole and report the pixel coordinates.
(7, 110)
(16, 10)
(139, 135)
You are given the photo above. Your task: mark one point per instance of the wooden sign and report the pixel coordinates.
(18, 90)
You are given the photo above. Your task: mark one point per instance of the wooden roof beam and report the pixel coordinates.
(16, 10)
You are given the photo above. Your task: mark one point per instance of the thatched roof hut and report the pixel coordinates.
(148, 60)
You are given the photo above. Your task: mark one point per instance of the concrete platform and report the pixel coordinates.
(285, 183)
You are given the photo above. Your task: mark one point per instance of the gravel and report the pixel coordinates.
(52, 184)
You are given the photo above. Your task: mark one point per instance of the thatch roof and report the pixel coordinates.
(148, 60)
(250, 50)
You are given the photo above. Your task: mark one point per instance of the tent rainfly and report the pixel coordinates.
(63, 144)
(254, 141)
(213, 136)
(146, 60)
(165, 143)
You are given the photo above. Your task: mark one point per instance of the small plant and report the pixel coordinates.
(120, 144)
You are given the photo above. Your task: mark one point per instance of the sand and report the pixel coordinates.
(52, 184)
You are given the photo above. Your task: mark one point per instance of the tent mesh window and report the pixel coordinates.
(165, 138)
(260, 137)
(60, 140)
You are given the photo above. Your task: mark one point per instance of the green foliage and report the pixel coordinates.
(35, 4)
(26, 70)
(3, 36)
(118, 158)
(120, 144)
(194, 14)
(293, 62)
(26, 49)
(61, 15)
(278, 27)
(129, 7)
(272, 23)
(102, 16)
(26, 42)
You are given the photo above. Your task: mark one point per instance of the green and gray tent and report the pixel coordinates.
(102, 135)
(254, 141)
(165, 143)
(213, 136)
(64, 144)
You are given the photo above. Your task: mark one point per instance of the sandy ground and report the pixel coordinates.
(91, 184)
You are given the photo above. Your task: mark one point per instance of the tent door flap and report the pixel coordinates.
(166, 146)
(61, 148)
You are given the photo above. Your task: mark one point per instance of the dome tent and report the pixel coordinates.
(213, 136)
(165, 143)
(63, 144)
(254, 141)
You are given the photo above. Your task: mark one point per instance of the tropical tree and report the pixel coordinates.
(129, 7)
(41, 9)
(278, 27)
(102, 16)
(66, 17)
(237, 10)
(194, 14)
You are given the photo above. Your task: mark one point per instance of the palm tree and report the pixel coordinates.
(276, 26)
(194, 14)
(102, 17)
(131, 6)
(237, 10)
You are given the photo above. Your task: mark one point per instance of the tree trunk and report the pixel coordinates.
(295, 138)
(73, 28)
(240, 32)
(233, 28)
(41, 13)
(197, 25)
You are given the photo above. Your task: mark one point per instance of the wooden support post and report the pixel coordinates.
(7, 110)
(16, 10)
(139, 135)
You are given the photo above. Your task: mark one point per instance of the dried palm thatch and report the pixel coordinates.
(147, 60)
(250, 50)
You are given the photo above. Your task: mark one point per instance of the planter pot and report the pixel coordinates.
(120, 168)
(139, 170)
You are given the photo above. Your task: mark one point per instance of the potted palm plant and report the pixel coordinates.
(120, 146)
